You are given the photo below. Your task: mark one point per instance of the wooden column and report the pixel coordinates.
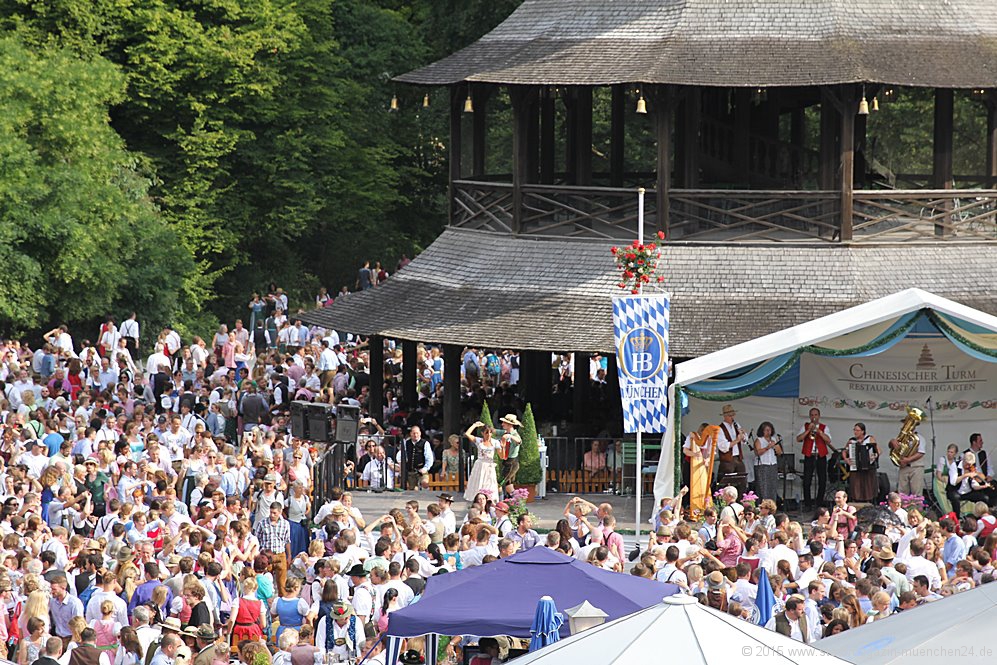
(663, 109)
(533, 137)
(457, 96)
(828, 158)
(548, 138)
(520, 97)
(376, 369)
(451, 400)
(583, 136)
(617, 136)
(742, 135)
(991, 105)
(409, 393)
(942, 177)
(861, 128)
(479, 129)
(687, 140)
(797, 132)
(570, 134)
(846, 162)
(580, 392)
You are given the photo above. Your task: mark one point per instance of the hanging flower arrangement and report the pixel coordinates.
(638, 264)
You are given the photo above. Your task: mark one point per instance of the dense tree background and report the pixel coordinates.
(174, 156)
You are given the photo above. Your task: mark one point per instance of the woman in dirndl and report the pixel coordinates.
(863, 484)
(767, 448)
(248, 619)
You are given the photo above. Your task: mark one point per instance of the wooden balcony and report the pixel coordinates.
(720, 215)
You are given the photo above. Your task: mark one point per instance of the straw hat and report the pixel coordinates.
(511, 419)
(728, 410)
(171, 623)
(885, 553)
(715, 580)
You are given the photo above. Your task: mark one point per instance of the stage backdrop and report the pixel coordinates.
(875, 390)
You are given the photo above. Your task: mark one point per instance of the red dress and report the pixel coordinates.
(247, 621)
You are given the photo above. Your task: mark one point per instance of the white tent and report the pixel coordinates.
(874, 327)
(957, 629)
(678, 630)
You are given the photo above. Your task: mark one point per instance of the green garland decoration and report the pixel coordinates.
(677, 442)
(816, 350)
(951, 333)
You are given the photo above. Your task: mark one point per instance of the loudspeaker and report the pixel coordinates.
(347, 423)
(299, 419)
(319, 417)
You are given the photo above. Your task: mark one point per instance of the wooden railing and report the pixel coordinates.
(745, 215)
(919, 214)
(728, 215)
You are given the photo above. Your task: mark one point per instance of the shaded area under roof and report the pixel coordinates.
(732, 43)
(495, 291)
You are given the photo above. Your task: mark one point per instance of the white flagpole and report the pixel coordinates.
(640, 451)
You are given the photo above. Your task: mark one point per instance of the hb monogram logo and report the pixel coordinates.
(642, 354)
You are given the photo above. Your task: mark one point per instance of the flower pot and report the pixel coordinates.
(532, 489)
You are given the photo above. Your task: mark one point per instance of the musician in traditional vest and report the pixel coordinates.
(418, 458)
(816, 439)
(792, 622)
(729, 450)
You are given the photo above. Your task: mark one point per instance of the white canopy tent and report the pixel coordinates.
(969, 330)
(678, 630)
(957, 629)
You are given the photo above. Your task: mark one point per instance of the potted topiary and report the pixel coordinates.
(530, 473)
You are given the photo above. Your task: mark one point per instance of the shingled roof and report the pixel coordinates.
(732, 43)
(496, 291)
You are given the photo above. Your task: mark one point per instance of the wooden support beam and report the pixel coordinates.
(663, 108)
(617, 135)
(375, 404)
(991, 105)
(457, 95)
(797, 134)
(742, 135)
(409, 361)
(533, 138)
(687, 126)
(451, 401)
(827, 165)
(548, 136)
(943, 148)
(479, 129)
(521, 97)
(846, 168)
(583, 137)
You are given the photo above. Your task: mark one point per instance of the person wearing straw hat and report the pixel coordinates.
(340, 632)
(729, 444)
(511, 443)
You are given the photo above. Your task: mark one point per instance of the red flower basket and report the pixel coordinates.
(638, 264)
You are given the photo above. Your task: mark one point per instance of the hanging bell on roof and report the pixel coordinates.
(468, 104)
(864, 106)
(875, 104)
(641, 104)
(394, 102)
(425, 101)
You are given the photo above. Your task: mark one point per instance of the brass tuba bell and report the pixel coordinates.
(907, 440)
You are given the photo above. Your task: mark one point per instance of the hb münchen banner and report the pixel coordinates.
(640, 324)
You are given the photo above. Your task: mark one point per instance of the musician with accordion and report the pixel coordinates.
(862, 456)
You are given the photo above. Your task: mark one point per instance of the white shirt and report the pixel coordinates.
(129, 328)
(768, 457)
(725, 444)
(794, 629)
(328, 360)
(918, 565)
(99, 596)
(780, 553)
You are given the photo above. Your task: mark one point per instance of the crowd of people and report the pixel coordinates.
(827, 575)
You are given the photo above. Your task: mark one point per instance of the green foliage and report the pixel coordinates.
(79, 235)
(530, 472)
(486, 415)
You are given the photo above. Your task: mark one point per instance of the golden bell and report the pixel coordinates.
(468, 105)
(394, 102)
(425, 101)
(863, 107)
(875, 103)
(641, 105)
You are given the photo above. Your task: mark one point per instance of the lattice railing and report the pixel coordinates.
(744, 215)
(585, 212)
(482, 205)
(925, 214)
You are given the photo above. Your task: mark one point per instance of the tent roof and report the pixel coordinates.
(954, 625)
(500, 598)
(825, 328)
(689, 633)
(493, 290)
(733, 43)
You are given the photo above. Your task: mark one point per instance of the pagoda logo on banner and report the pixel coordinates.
(640, 325)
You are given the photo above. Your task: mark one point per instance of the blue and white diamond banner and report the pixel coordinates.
(640, 325)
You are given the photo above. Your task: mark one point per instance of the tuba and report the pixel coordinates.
(907, 440)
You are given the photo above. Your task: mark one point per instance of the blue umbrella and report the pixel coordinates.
(546, 623)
